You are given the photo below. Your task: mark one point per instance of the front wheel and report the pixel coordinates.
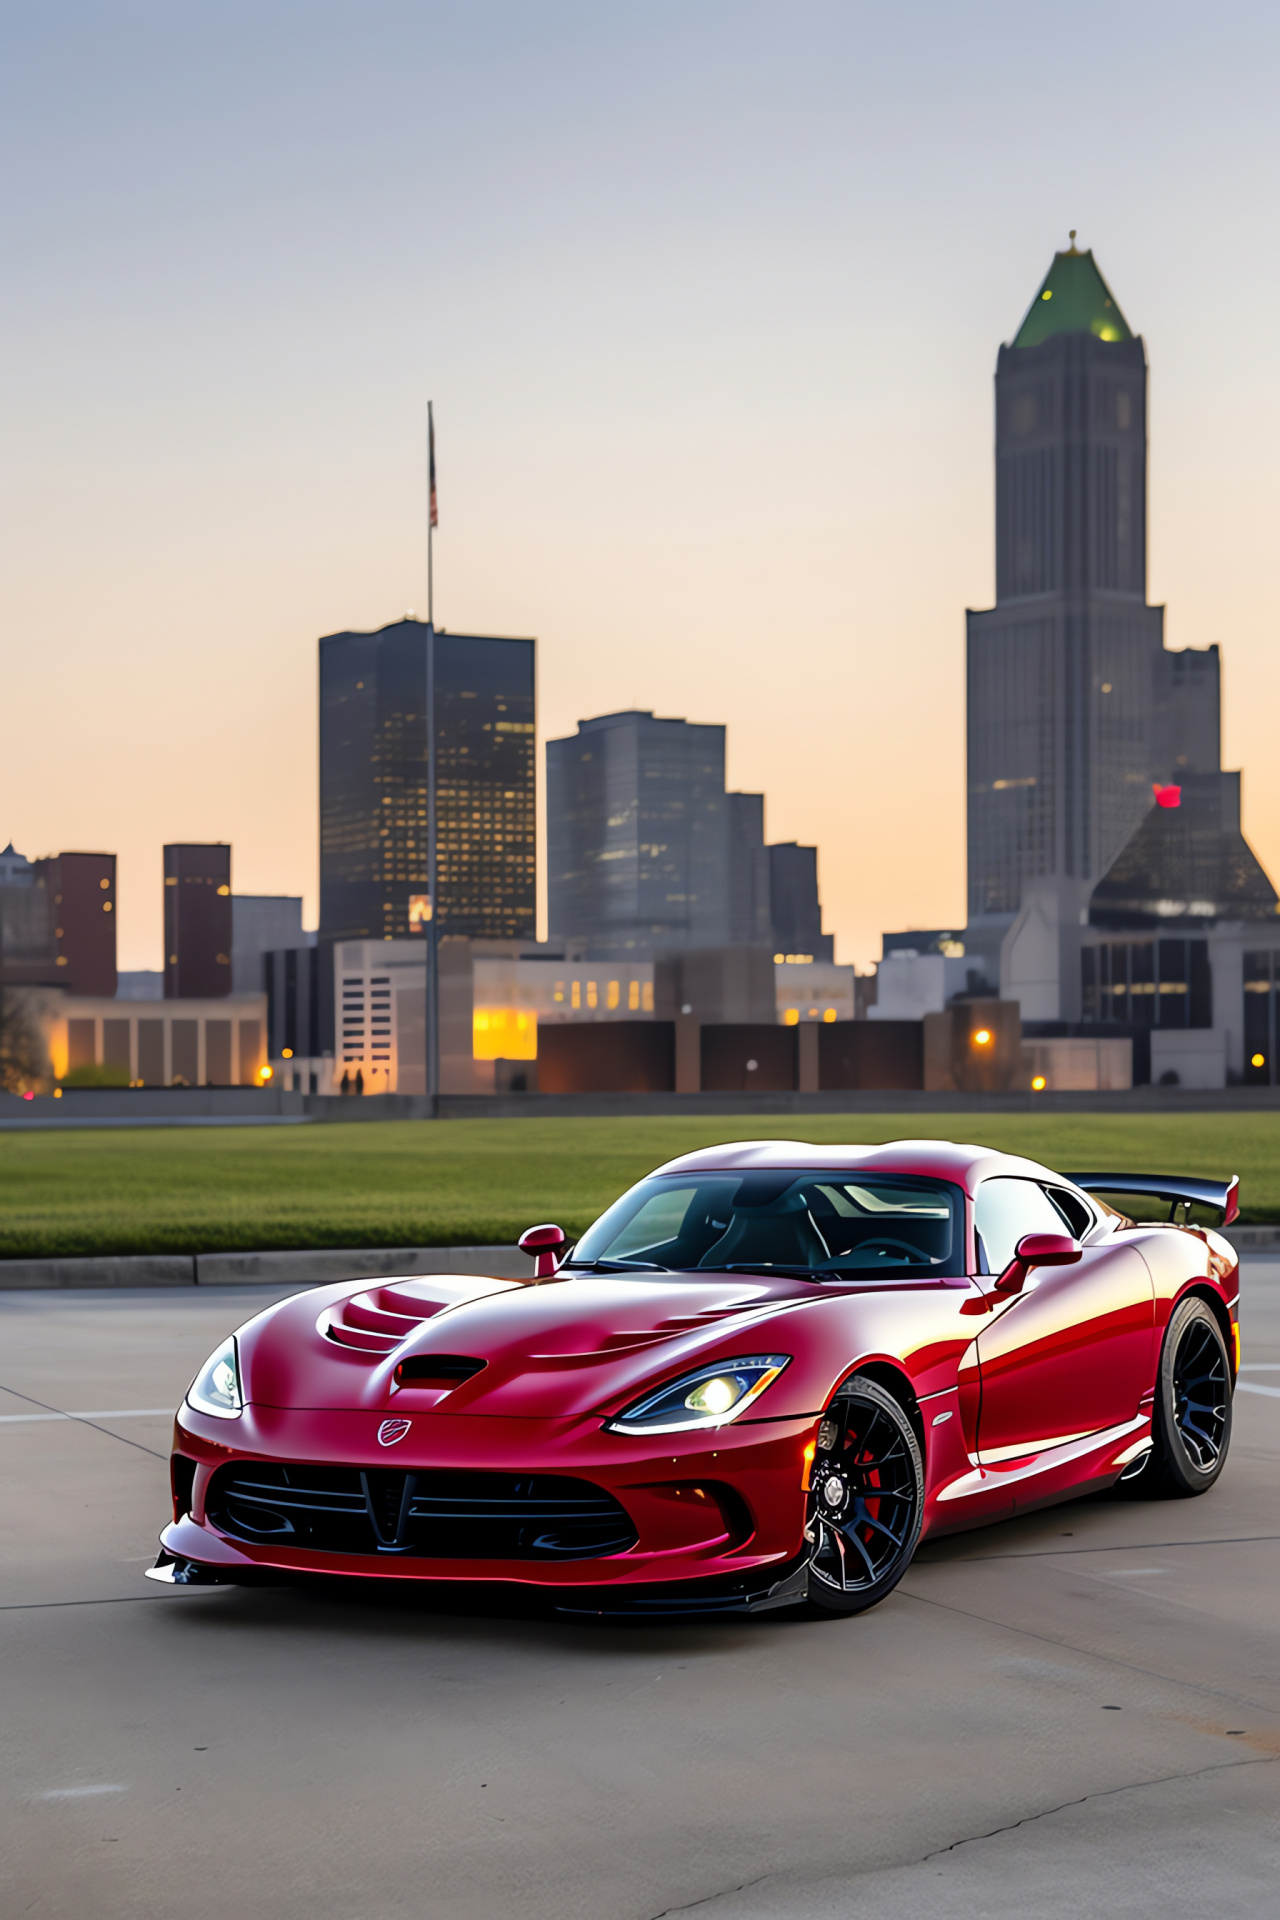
(866, 1499)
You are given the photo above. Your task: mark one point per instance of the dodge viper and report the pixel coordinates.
(759, 1380)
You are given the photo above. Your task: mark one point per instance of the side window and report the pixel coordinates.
(1004, 1211)
(1077, 1215)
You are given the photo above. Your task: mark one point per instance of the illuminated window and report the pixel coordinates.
(633, 996)
(593, 997)
(829, 1014)
(791, 1017)
(504, 1033)
(613, 995)
(576, 994)
(647, 996)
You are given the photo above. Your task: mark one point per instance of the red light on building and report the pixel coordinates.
(1167, 796)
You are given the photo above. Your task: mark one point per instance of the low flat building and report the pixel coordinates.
(220, 1042)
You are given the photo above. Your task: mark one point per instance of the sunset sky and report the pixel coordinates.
(707, 297)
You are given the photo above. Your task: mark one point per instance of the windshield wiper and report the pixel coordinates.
(615, 1266)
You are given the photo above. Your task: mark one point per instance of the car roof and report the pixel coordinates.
(966, 1166)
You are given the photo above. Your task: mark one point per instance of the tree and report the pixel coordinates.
(22, 1061)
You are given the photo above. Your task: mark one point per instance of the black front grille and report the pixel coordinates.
(434, 1515)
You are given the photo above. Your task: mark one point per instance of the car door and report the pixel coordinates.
(1070, 1354)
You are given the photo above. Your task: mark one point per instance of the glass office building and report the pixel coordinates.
(374, 881)
(645, 849)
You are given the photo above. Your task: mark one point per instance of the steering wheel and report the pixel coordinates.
(887, 1245)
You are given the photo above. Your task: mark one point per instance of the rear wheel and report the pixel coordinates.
(1191, 1418)
(1192, 1424)
(866, 1499)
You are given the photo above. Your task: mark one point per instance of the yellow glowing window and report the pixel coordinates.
(633, 996)
(576, 994)
(829, 1014)
(647, 996)
(593, 996)
(558, 995)
(612, 995)
(504, 1033)
(791, 1017)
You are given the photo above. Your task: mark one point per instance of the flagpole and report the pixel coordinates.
(433, 924)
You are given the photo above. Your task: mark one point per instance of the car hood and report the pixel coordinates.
(564, 1348)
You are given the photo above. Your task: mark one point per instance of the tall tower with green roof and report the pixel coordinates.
(1065, 671)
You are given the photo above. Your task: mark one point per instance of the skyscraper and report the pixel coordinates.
(1074, 708)
(374, 882)
(645, 849)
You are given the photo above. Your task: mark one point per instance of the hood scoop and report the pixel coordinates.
(437, 1369)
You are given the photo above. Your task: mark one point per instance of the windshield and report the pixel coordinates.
(845, 1225)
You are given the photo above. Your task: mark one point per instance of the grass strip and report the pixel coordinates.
(468, 1182)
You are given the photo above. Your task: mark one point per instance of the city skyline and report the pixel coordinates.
(727, 454)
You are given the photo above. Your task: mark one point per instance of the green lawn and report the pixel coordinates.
(457, 1182)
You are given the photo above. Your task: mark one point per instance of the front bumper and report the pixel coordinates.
(722, 1510)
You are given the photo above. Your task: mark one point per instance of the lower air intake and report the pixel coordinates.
(433, 1515)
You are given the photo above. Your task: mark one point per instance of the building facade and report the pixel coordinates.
(218, 1042)
(58, 921)
(197, 921)
(81, 890)
(374, 880)
(639, 834)
(262, 923)
(795, 908)
(1074, 707)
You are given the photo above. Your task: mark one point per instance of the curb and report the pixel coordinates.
(301, 1267)
(320, 1266)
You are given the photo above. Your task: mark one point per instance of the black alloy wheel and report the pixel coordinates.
(1192, 1424)
(866, 1499)
(1191, 1419)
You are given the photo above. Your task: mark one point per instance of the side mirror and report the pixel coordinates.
(544, 1245)
(1037, 1250)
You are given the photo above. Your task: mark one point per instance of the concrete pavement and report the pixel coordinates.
(1075, 1713)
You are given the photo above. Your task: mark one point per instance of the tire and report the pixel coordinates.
(1191, 1421)
(866, 1500)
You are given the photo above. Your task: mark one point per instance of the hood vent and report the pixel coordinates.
(376, 1321)
(437, 1369)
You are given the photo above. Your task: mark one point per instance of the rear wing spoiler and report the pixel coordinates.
(1178, 1189)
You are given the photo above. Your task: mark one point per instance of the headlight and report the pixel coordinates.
(709, 1398)
(216, 1388)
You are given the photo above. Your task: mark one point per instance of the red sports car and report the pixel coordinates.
(758, 1380)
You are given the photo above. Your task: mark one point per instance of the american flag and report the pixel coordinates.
(431, 464)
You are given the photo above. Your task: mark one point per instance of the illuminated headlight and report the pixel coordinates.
(709, 1398)
(216, 1388)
